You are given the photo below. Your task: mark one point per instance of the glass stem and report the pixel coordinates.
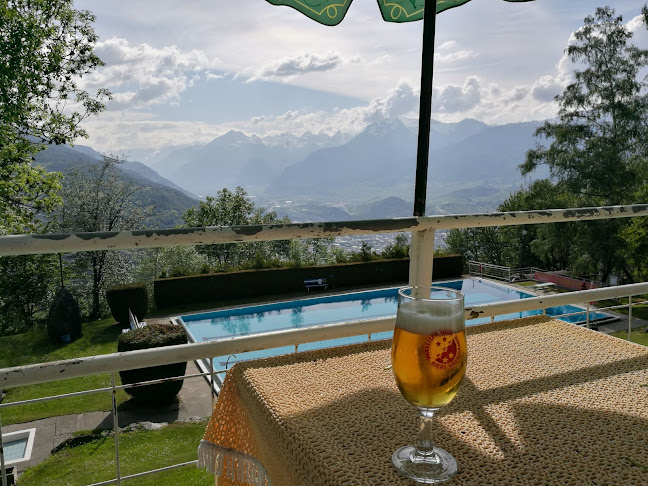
(424, 449)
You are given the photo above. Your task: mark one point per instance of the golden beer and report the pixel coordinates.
(429, 358)
(429, 368)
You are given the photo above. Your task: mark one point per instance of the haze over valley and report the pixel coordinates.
(473, 168)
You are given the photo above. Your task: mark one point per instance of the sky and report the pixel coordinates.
(186, 72)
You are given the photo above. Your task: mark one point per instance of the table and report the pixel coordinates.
(544, 402)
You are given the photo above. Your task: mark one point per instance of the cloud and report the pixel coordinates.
(453, 98)
(449, 52)
(546, 88)
(474, 98)
(517, 94)
(636, 24)
(298, 64)
(402, 100)
(141, 75)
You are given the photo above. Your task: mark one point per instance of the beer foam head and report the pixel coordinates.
(425, 317)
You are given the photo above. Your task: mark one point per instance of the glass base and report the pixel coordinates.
(435, 467)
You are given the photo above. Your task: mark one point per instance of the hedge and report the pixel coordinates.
(128, 296)
(153, 336)
(249, 283)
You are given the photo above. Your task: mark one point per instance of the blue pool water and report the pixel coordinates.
(339, 308)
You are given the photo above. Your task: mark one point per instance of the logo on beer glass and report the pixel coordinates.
(442, 349)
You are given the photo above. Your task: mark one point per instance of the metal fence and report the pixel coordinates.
(423, 229)
(501, 272)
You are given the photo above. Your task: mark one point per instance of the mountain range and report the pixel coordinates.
(169, 200)
(473, 167)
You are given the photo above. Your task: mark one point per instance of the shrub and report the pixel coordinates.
(128, 296)
(64, 318)
(153, 336)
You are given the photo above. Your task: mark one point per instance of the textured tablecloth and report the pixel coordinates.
(543, 403)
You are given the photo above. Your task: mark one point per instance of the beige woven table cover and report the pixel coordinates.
(543, 403)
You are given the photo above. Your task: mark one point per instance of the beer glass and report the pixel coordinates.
(429, 358)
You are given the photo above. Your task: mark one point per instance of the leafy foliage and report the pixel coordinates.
(125, 297)
(26, 285)
(64, 319)
(596, 156)
(45, 47)
(99, 199)
(398, 249)
(599, 143)
(25, 190)
(153, 336)
(234, 209)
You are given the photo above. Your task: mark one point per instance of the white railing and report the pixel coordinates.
(422, 228)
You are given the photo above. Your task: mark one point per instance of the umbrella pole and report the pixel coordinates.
(425, 107)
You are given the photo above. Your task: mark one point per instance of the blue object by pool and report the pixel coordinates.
(340, 308)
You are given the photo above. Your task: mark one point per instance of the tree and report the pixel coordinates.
(635, 237)
(311, 252)
(398, 249)
(99, 199)
(27, 284)
(233, 209)
(477, 244)
(549, 246)
(45, 47)
(600, 140)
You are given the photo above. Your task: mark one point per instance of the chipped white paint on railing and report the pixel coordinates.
(71, 242)
(109, 363)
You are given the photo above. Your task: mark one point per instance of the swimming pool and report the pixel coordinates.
(353, 306)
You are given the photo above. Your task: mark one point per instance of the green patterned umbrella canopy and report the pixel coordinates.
(331, 12)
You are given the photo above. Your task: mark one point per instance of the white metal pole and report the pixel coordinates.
(3, 473)
(421, 258)
(211, 382)
(630, 316)
(115, 418)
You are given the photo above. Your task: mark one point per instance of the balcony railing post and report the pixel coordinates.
(3, 473)
(115, 418)
(211, 382)
(630, 316)
(587, 315)
(421, 258)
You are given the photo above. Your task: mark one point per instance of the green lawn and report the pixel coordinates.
(640, 311)
(138, 451)
(638, 337)
(99, 337)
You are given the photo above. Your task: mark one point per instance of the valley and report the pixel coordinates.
(473, 167)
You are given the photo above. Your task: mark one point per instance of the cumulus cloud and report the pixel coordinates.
(140, 75)
(516, 94)
(636, 24)
(453, 98)
(298, 64)
(400, 101)
(546, 88)
(474, 98)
